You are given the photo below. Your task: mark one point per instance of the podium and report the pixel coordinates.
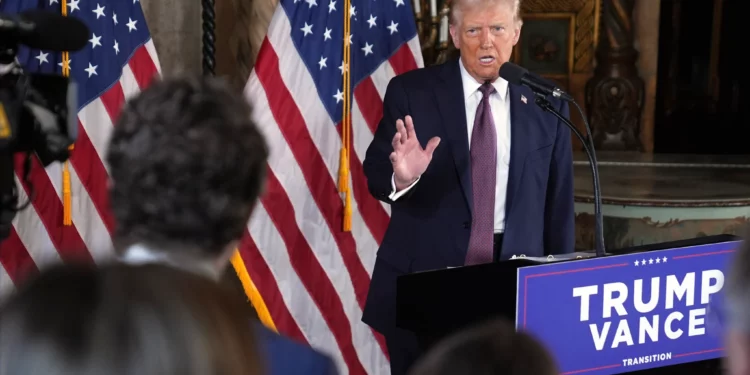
(539, 295)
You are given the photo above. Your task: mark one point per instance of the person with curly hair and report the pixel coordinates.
(187, 165)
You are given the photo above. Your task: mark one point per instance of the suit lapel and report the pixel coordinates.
(520, 138)
(452, 107)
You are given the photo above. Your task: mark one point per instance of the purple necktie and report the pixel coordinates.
(483, 176)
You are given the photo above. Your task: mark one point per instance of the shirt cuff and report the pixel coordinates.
(396, 195)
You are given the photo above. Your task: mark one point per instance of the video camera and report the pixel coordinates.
(38, 112)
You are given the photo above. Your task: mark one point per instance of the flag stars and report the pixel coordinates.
(352, 11)
(367, 48)
(393, 27)
(307, 29)
(311, 3)
(350, 39)
(42, 57)
(371, 21)
(343, 67)
(73, 5)
(117, 48)
(327, 34)
(99, 11)
(114, 17)
(95, 41)
(322, 62)
(339, 95)
(331, 6)
(53, 2)
(399, 2)
(91, 70)
(131, 25)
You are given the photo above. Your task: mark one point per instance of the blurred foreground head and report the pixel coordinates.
(187, 164)
(492, 348)
(737, 308)
(125, 320)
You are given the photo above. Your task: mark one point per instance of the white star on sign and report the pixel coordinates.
(95, 41)
(322, 62)
(91, 70)
(117, 48)
(73, 5)
(636, 263)
(658, 260)
(393, 27)
(650, 261)
(371, 21)
(339, 95)
(367, 48)
(307, 29)
(99, 11)
(327, 34)
(643, 262)
(131, 25)
(331, 6)
(664, 259)
(42, 57)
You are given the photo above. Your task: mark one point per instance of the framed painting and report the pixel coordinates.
(546, 45)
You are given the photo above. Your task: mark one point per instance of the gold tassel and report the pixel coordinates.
(67, 193)
(348, 212)
(343, 171)
(346, 123)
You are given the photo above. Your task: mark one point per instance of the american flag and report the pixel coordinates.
(312, 275)
(118, 61)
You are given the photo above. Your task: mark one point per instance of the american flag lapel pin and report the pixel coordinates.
(523, 99)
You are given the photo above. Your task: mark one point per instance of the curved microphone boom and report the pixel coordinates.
(43, 30)
(520, 76)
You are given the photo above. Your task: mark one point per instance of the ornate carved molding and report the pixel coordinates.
(614, 96)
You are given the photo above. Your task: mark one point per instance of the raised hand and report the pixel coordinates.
(408, 158)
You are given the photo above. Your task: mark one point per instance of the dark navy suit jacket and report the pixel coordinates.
(284, 356)
(430, 225)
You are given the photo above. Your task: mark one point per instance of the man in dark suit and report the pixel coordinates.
(188, 165)
(472, 168)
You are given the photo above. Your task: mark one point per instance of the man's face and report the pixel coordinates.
(486, 36)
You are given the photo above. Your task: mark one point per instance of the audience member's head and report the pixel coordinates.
(187, 165)
(125, 320)
(737, 307)
(492, 348)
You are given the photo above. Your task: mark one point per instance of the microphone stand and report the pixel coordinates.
(545, 105)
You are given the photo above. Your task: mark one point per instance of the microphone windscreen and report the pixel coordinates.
(512, 73)
(53, 31)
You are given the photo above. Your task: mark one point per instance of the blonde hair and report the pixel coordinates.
(457, 5)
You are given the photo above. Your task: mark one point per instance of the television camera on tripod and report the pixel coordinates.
(37, 111)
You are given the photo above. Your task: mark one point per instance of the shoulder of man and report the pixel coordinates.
(277, 351)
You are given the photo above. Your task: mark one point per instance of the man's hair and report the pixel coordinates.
(737, 288)
(187, 165)
(490, 348)
(456, 6)
(125, 320)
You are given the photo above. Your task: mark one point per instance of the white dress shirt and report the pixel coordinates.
(500, 106)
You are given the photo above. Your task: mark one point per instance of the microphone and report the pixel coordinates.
(521, 76)
(44, 30)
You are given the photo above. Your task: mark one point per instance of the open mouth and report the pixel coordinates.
(486, 60)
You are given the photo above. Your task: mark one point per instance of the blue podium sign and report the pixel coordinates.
(626, 313)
